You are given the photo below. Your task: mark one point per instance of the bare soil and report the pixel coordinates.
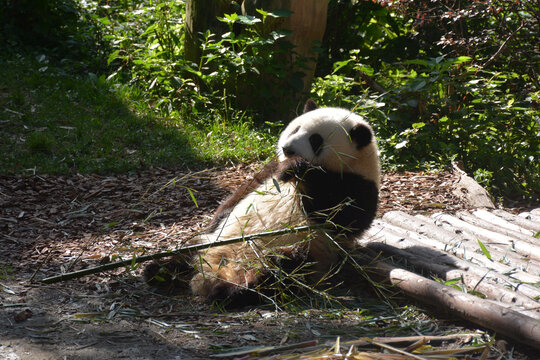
(53, 224)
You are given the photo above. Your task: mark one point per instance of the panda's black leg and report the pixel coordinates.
(170, 275)
(260, 285)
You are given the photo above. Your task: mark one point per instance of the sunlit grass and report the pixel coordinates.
(55, 122)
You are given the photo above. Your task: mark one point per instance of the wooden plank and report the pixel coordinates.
(504, 321)
(384, 233)
(490, 237)
(502, 222)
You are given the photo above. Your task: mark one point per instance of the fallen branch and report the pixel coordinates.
(183, 250)
(504, 321)
(371, 83)
(502, 47)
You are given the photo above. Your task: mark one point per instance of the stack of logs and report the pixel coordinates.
(491, 256)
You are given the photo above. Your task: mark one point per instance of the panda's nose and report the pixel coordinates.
(288, 151)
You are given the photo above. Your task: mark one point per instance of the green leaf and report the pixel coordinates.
(418, 125)
(485, 250)
(279, 13)
(134, 260)
(339, 64)
(462, 59)
(452, 281)
(418, 85)
(113, 57)
(276, 184)
(248, 20)
(110, 225)
(192, 197)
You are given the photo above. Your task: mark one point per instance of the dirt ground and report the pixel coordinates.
(54, 224)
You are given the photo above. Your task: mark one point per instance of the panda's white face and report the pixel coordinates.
(334, 138)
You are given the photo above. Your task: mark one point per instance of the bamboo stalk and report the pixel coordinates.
(183, 250)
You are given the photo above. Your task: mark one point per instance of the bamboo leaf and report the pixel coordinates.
(485, 250)
(276, 184)
(192, 197)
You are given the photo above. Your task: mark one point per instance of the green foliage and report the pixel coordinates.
(238, 70)
(147, 42)
(61, 27)
(480, 109)
(251, 67)
(438, 83)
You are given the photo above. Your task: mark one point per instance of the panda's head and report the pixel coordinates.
(337, 139)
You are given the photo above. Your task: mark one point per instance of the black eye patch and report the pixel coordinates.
(316, 142)
(361, 135)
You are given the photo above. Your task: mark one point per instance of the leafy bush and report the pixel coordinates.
(62, 27)
(252, 68)
(458, 82)
(236, 70)
(437, 81)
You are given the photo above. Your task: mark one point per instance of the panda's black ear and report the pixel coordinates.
(361, 135)
(310, 105)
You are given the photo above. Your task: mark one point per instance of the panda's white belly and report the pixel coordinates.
(266, 208)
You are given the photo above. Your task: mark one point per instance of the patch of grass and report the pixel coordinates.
(232, 141)
(55, 122)
(6, 272)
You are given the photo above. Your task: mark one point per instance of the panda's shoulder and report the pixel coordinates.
(246, 188)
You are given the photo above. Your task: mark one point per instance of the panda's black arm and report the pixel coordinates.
(347, 200)
(293, 168)
(241, 192)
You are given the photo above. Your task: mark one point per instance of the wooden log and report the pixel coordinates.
(458, 242)
(521, 221)
(493, 238)
(531, 215)
(472, 274)
(495, 224)
(536, 211)
(469, 191)
(472, 279)
(499, 254)
(512, 324)
(502, 222)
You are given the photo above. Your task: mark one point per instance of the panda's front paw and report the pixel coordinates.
(169, 275)
(293, 168)
(233, 293)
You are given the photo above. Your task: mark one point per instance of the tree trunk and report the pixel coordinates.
(307, 23)
(201, 15)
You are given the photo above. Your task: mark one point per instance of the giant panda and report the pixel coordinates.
(327, 173)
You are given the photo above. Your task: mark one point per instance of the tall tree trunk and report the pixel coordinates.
(271, 97)
(307, 23)
(201, 15)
